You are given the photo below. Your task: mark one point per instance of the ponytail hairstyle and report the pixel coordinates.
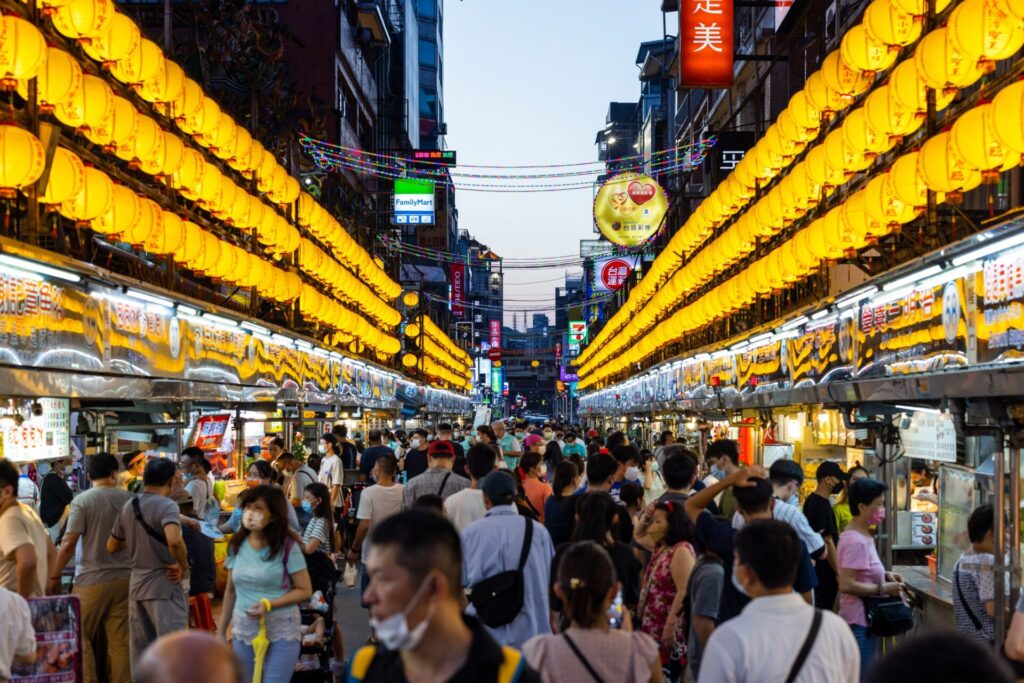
(565, 473)
(323, 509)
(586, 575)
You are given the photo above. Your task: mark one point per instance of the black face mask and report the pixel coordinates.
(838, 487)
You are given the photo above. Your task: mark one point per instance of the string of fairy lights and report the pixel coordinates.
(395, 246)
(522, 178)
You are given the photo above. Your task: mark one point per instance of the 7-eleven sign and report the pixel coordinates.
(577, 332)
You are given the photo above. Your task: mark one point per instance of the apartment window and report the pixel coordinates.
(428, 103)
(427, 9)
(428, 53)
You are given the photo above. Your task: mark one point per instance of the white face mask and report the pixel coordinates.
(415, 443)
(655, 467)
(736, 584)
(632, 473)
(322, 448)
(252, 520)
(543, 469)
(393, 632)
(457, 436)
(548, 435)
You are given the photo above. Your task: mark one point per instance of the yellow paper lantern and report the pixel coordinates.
(859, 135)
(174, 154)
(982, 30)
(1008, 116)
(890, 25)
(188, 105)
(973, 139)
(906, 183)
(56, 81)
(140, 64)
(209, 186)
(89, 106)
(124, 124)
(1015, 8)
(169, 239)
(823, 97)
(189, 174)
(857, 226)
(859, 50)
(208, 122)
(942, 170)
(941, 65)
(911, 92)
(149, 146)
(919, 8)
(223, 142)
(114, 42)
(165, 85)
(240, 156)
(846, 81)
(820, 171)
(882, 205)
(22, 159)
(191, 243)
(840, 155)
(83, 19)
(151, 222)
(888, 117)
(67, 175)
(122, 213)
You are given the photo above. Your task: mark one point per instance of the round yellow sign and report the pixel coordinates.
(629, 208)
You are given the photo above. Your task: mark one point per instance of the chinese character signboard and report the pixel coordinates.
(611, 273)
(999, 316)
(458, 285)
(414, 202)
(730, 147)
(820, 350)
(705, 43)
(497, 380)
(495, 334)
(629, 209)
(209, 431)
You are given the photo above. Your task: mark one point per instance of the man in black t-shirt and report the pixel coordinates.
(54, 496)
(347, 450)
(818, 510)
(370, 455)
(414, 463)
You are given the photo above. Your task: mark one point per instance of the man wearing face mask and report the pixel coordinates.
(511, 451)
(415, 599)
(787, 477)
(438, 480)
(148, 526)
(723, 459)
(444, 433)
(628, 458)
(818, 509)
(414, 463)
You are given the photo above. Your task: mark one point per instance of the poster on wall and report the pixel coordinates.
(629, 209)
(820, 350)
(924, 329)
(999, 309)
(929, 436)
(610, 274)
(57, 623)
(42, 433)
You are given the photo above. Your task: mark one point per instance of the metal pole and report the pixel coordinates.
(999, 505)
(1014, 524)
(889, 475)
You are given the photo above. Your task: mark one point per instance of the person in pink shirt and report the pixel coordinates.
(531, 473)
(861, 572)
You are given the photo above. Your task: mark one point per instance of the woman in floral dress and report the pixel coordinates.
(667, 532)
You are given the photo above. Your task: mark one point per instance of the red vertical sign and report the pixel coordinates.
(458, 281)
(705, 43)
(558, 353)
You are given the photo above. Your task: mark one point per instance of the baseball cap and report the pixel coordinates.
(592, 433)
(531, 440)
(786, 469)
(830, 469)
(441, 449)
(499, 487)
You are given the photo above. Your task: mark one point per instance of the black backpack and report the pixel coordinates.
(499, 599)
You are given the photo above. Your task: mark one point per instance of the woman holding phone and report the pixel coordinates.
(592, 648)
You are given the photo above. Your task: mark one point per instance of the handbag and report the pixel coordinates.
(887, 616)
(499, 599)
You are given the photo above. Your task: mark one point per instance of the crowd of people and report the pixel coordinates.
(508, 552)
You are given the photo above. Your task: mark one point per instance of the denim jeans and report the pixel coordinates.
(278, 665)
(868, 646)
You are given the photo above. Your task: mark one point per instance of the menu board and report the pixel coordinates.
(925, 329)
(929, 437)
(999, 309)
(39, 437)
(57, 623)
(208, 434)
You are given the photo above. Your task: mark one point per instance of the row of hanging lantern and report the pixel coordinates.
(431, 329)
(891, 111)
(442, 357)
(432, 349)
(325, 270)
(987, 138)
(88, 104)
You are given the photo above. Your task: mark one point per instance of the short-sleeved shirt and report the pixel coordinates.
(54, 496)
(705, 593)
(93, 514)
(200, 489)
(560, 517)
(465, 507)
(17, 636)
(303, 477)
(436, 481)
(819, 513)
(537, 492)
(376, 504)
(332, 474)
(317, 528)
(857, 551)
(149, 558)
(256, 575)
(718, 535)
(510, 444)
(575, 448)
(974, 585)
(415, 463)
(20, 525)
(369, 458)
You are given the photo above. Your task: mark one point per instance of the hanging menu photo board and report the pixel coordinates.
(57, 622)
(999, 309)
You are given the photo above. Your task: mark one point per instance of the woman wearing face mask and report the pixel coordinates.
(560, 507)
(653, 483)
(590, 649)
(552, 455)
(267, 578)
(531, 473)
(842, 506)
(261, 473)
(861, 572)
(667, 531)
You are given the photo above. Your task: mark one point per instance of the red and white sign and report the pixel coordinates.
(495, 352)
(458, 281)
(705, 43)
(611, 274)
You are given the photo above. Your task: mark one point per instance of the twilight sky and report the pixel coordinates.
(529, 82)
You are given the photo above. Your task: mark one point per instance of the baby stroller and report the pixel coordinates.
(318, 625)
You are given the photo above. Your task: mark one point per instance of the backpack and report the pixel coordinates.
(509, 671)
(499, 599)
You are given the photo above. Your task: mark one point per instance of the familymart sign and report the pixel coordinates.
(414, 202)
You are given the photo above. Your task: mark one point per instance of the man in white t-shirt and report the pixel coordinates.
(332, 474)
(376, 503)
(467, 505)
(26, 551)
(17, 637)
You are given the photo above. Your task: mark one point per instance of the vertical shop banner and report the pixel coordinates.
(705, 43)
(458, 282)
(57, 622)
(495, 334)
(558, 353)
(999, 309)
(764, 367)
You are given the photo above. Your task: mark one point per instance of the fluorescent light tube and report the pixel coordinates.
(220, 320)
(794, 323)
(186, 310)
(253, 327)
(912, 278)
(989, 249)
(39, 268)
(150, 298)
(918, 409)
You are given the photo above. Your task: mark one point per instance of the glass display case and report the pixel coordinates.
(960, 491)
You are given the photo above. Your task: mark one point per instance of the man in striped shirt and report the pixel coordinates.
(786, 477)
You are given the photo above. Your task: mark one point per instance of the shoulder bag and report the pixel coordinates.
(1015, 666)
(153, 533)
(444, 482)
(805, 649)
(499, 599)
(887, 616)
